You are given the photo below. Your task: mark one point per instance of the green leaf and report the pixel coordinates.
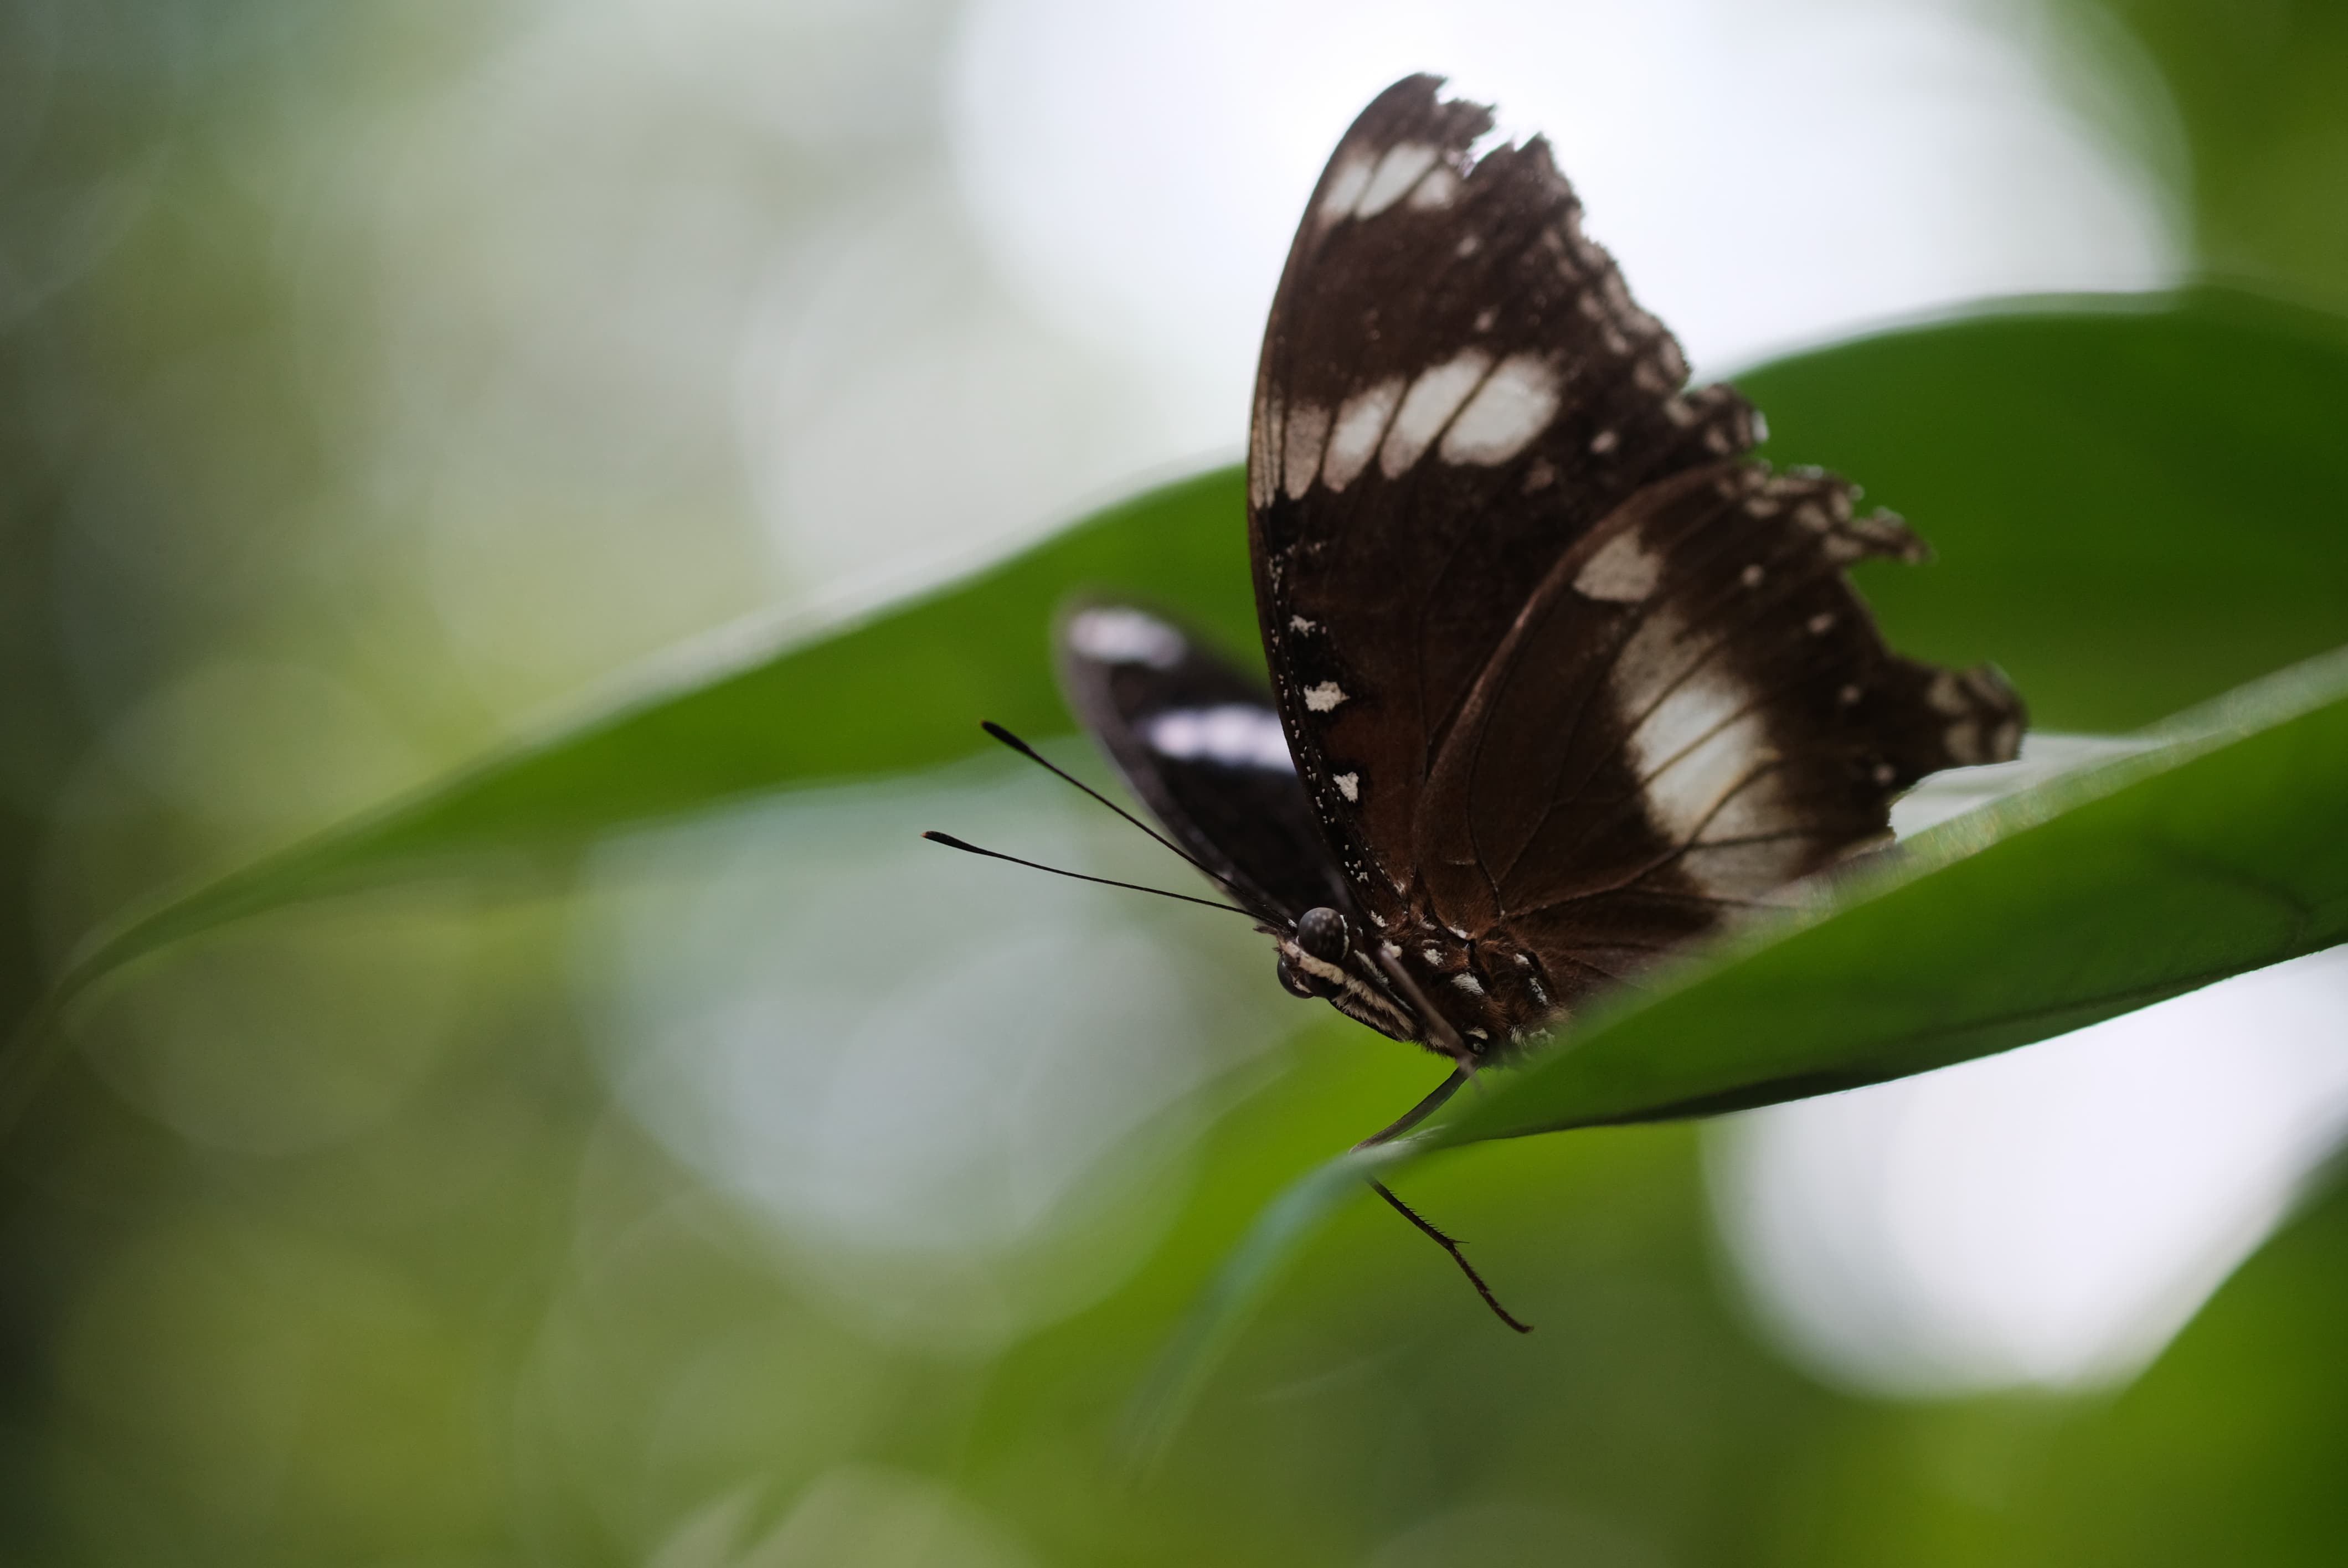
(2220, 851)
(764, 706)
(2101, 891)
(2133, 499)
(1157, 1412)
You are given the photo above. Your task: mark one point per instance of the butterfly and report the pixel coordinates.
(1561, 680)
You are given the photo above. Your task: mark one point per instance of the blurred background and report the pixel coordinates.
(376, 377)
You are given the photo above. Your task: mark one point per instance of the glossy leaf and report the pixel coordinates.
(2101, 891)
(2104, 889)
(2130, 495)
(2135, 503)
(764, 706)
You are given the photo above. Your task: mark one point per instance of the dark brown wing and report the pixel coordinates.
(1566, 679)
(1455, 388)
(1199, 742)
(1692, 710)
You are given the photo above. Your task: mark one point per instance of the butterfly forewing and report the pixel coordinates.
(1455, 387)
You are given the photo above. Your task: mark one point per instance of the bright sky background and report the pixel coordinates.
(1766, 174)
(2049, 1217)
(1082, 297)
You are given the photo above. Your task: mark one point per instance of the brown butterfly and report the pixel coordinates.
(1561, 680)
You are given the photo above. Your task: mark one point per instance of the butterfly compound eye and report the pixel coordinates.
(1323, 933)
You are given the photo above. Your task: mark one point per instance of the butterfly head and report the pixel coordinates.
(1320, 955)
(1313, 955)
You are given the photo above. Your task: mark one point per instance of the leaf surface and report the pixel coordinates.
(2099, 892)
(2134, 500)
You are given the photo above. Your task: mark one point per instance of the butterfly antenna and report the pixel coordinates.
(1451, 1246)
(1041, 760)
(951, 842)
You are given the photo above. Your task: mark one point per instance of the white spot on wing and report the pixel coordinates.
(1308, 427)
(1236, 734)
(1117, 635)
(1755, 811)
(1345, 187)
(1623, 571)
(1746, 870)
(1298, 623)
(1514, 405)
(1263, 438)
(1321, 699)
(1428, 407)
(1694, 750)
(1436, 190)
(1657, 655)
(1360, 422)
(1469, 983)
(1397, 172)
(1349, 785)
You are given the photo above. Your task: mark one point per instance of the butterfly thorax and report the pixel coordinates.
(1474, 1000)
(1488, 991)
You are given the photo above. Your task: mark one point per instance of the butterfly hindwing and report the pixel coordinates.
(1199, 742)
(1692, 710)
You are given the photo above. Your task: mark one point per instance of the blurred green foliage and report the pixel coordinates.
(2126, 503)
(331, 1243)
(2257, 89)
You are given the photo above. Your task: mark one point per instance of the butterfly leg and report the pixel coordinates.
(1403, 1123)
(1420, 1111)
(1451, 1246)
